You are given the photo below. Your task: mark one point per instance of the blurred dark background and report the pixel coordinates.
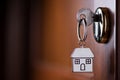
(15, 39)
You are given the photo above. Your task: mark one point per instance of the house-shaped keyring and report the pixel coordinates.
(82, 60)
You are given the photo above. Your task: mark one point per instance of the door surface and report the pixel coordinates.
(53, 38)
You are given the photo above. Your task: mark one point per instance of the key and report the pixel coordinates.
(87, 14)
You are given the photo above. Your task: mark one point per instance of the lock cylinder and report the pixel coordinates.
(101, 25)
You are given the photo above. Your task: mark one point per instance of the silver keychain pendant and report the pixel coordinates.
(82, 58)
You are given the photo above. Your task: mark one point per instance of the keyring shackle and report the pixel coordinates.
(83, 22)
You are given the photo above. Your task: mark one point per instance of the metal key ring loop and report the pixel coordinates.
(85, 30)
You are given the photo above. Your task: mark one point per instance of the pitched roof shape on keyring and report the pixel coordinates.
(82, 52)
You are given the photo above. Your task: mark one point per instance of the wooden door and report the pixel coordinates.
(53, 38)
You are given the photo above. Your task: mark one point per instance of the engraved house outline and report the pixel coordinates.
(82, 59)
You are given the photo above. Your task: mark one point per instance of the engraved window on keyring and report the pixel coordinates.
(88, 61)
(77, 61)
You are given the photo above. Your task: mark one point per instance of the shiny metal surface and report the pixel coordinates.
(82, 37)
(101, 25)
(85, 13)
